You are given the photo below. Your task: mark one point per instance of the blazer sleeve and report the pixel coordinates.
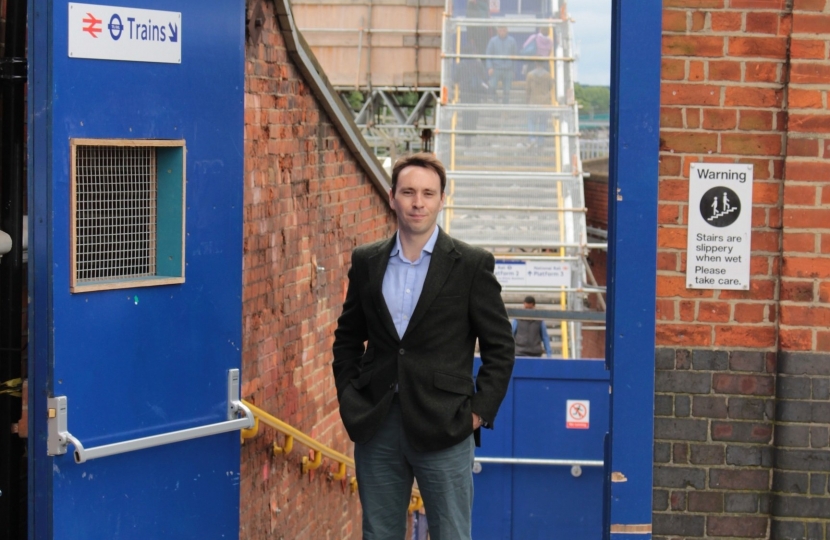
(495, 340)
(351, 332)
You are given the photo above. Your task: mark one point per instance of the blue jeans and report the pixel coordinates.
(386, 466)
(505, 75)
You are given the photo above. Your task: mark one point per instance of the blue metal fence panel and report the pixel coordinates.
(527, 502)
(143, 361)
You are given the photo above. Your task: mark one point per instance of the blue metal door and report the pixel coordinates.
(527, 486)
(136, 380)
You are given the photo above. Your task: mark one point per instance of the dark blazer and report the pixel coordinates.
(433, 363)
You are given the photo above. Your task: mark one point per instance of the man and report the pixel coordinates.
(501, 69)
(419, 300)
(531, 335)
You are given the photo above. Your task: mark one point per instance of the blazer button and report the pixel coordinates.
(401, 352)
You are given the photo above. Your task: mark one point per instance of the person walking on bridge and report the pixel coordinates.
(501, 69)
(531, 335)
(403, 361)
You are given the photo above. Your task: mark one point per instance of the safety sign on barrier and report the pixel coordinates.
(128, 34)
(578, 414)
(720, 224)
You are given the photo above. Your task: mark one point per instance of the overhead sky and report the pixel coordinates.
(592, 31)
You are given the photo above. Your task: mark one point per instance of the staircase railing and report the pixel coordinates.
(319, 450)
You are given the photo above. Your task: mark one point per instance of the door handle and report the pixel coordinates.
(60, 437)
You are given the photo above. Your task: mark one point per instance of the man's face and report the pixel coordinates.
(502, 31)
(528, 305)
(417, 200)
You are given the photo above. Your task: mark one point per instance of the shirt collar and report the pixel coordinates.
(428, 247)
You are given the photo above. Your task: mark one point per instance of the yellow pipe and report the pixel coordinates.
(250, 433)
(563, 325)
(341, 472)
(457, 43)
(289, 445)
(415, 503)
(309, 465)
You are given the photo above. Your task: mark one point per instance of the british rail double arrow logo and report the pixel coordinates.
(93, 25)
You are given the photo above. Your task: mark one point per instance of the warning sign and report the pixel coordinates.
(578, 414)
(720, 224)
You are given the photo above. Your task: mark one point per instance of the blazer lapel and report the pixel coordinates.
(440, 265)
(377, 268)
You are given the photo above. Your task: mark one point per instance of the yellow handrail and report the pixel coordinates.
(320, 450)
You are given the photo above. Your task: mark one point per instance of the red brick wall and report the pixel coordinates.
(805, 269)
(741, 407)
(307, 204)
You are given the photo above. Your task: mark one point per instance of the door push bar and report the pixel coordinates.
(60, 438)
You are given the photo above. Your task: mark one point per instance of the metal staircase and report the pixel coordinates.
(514, 174)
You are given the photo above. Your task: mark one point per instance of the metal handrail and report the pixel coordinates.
(538, 461)
(60, 437)
(319, 449)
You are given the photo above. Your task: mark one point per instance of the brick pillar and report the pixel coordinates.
(723, 91)
(801, 494)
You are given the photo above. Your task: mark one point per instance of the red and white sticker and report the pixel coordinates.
(578, 414)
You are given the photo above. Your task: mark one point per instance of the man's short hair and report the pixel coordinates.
(425, 160)
(530, 300)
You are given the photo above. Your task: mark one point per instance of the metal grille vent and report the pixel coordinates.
(115, 212)
(127, 213)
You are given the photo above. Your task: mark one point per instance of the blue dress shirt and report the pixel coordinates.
(404, 281)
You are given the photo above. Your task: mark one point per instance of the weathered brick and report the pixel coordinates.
(680, 429)
(707, 360)
(749, 456)
(804, 363)
(802, 460)
(741, 432)
(682, 406)
(800, 506)
(743, 526)
(677, 501)
(750, 409)
(707, 502)
(746, 479)
(787, 530)
(819, 436)
(683, 382)
(687, 45)
(659, 500)
(679, 525)
(741, 503)
(662, 452)
(758, 385)
(707, 454)
(788, 482)
(792, 435)
(793, 411)
(746, 361)
(818, 484)
(679, 477)
(821, 388)
(709, 407)
(793, 387)
(663, 405)
(664, 358)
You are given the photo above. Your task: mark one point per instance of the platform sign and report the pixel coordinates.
(516, 273)
(720, 226)
(578, 414)
(128, 34)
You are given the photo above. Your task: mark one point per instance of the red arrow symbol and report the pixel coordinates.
(92, 25)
